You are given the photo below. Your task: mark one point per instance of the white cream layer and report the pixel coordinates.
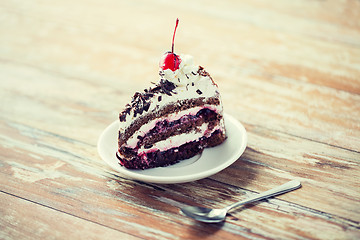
(144, 129)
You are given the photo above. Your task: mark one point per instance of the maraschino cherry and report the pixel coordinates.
(170, 60)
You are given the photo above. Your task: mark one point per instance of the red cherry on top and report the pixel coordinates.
(170, 60)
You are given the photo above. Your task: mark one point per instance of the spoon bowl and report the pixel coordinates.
(209, 215)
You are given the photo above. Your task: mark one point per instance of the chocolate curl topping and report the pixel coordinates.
(141, 101)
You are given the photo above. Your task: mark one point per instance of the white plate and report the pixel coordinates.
(209, 162)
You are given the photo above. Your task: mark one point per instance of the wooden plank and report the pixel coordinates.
(41, 222)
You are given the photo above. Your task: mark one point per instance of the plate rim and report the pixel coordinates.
(127, 173)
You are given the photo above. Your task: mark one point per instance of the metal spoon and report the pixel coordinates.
(209, 215)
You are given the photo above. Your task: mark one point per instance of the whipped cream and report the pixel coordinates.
(187, 79)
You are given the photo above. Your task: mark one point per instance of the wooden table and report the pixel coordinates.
(289, 71)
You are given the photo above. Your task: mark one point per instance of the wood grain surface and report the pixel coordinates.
(289, 71)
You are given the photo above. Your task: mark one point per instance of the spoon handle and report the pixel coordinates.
(287, 187)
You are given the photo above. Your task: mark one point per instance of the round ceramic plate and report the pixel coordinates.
(209, 162)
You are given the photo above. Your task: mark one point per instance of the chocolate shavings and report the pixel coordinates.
(141, 102)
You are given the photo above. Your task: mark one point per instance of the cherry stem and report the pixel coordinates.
(172, 46)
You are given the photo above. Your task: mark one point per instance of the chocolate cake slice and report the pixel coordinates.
(175, 119)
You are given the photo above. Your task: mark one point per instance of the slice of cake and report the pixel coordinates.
(174, 119)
